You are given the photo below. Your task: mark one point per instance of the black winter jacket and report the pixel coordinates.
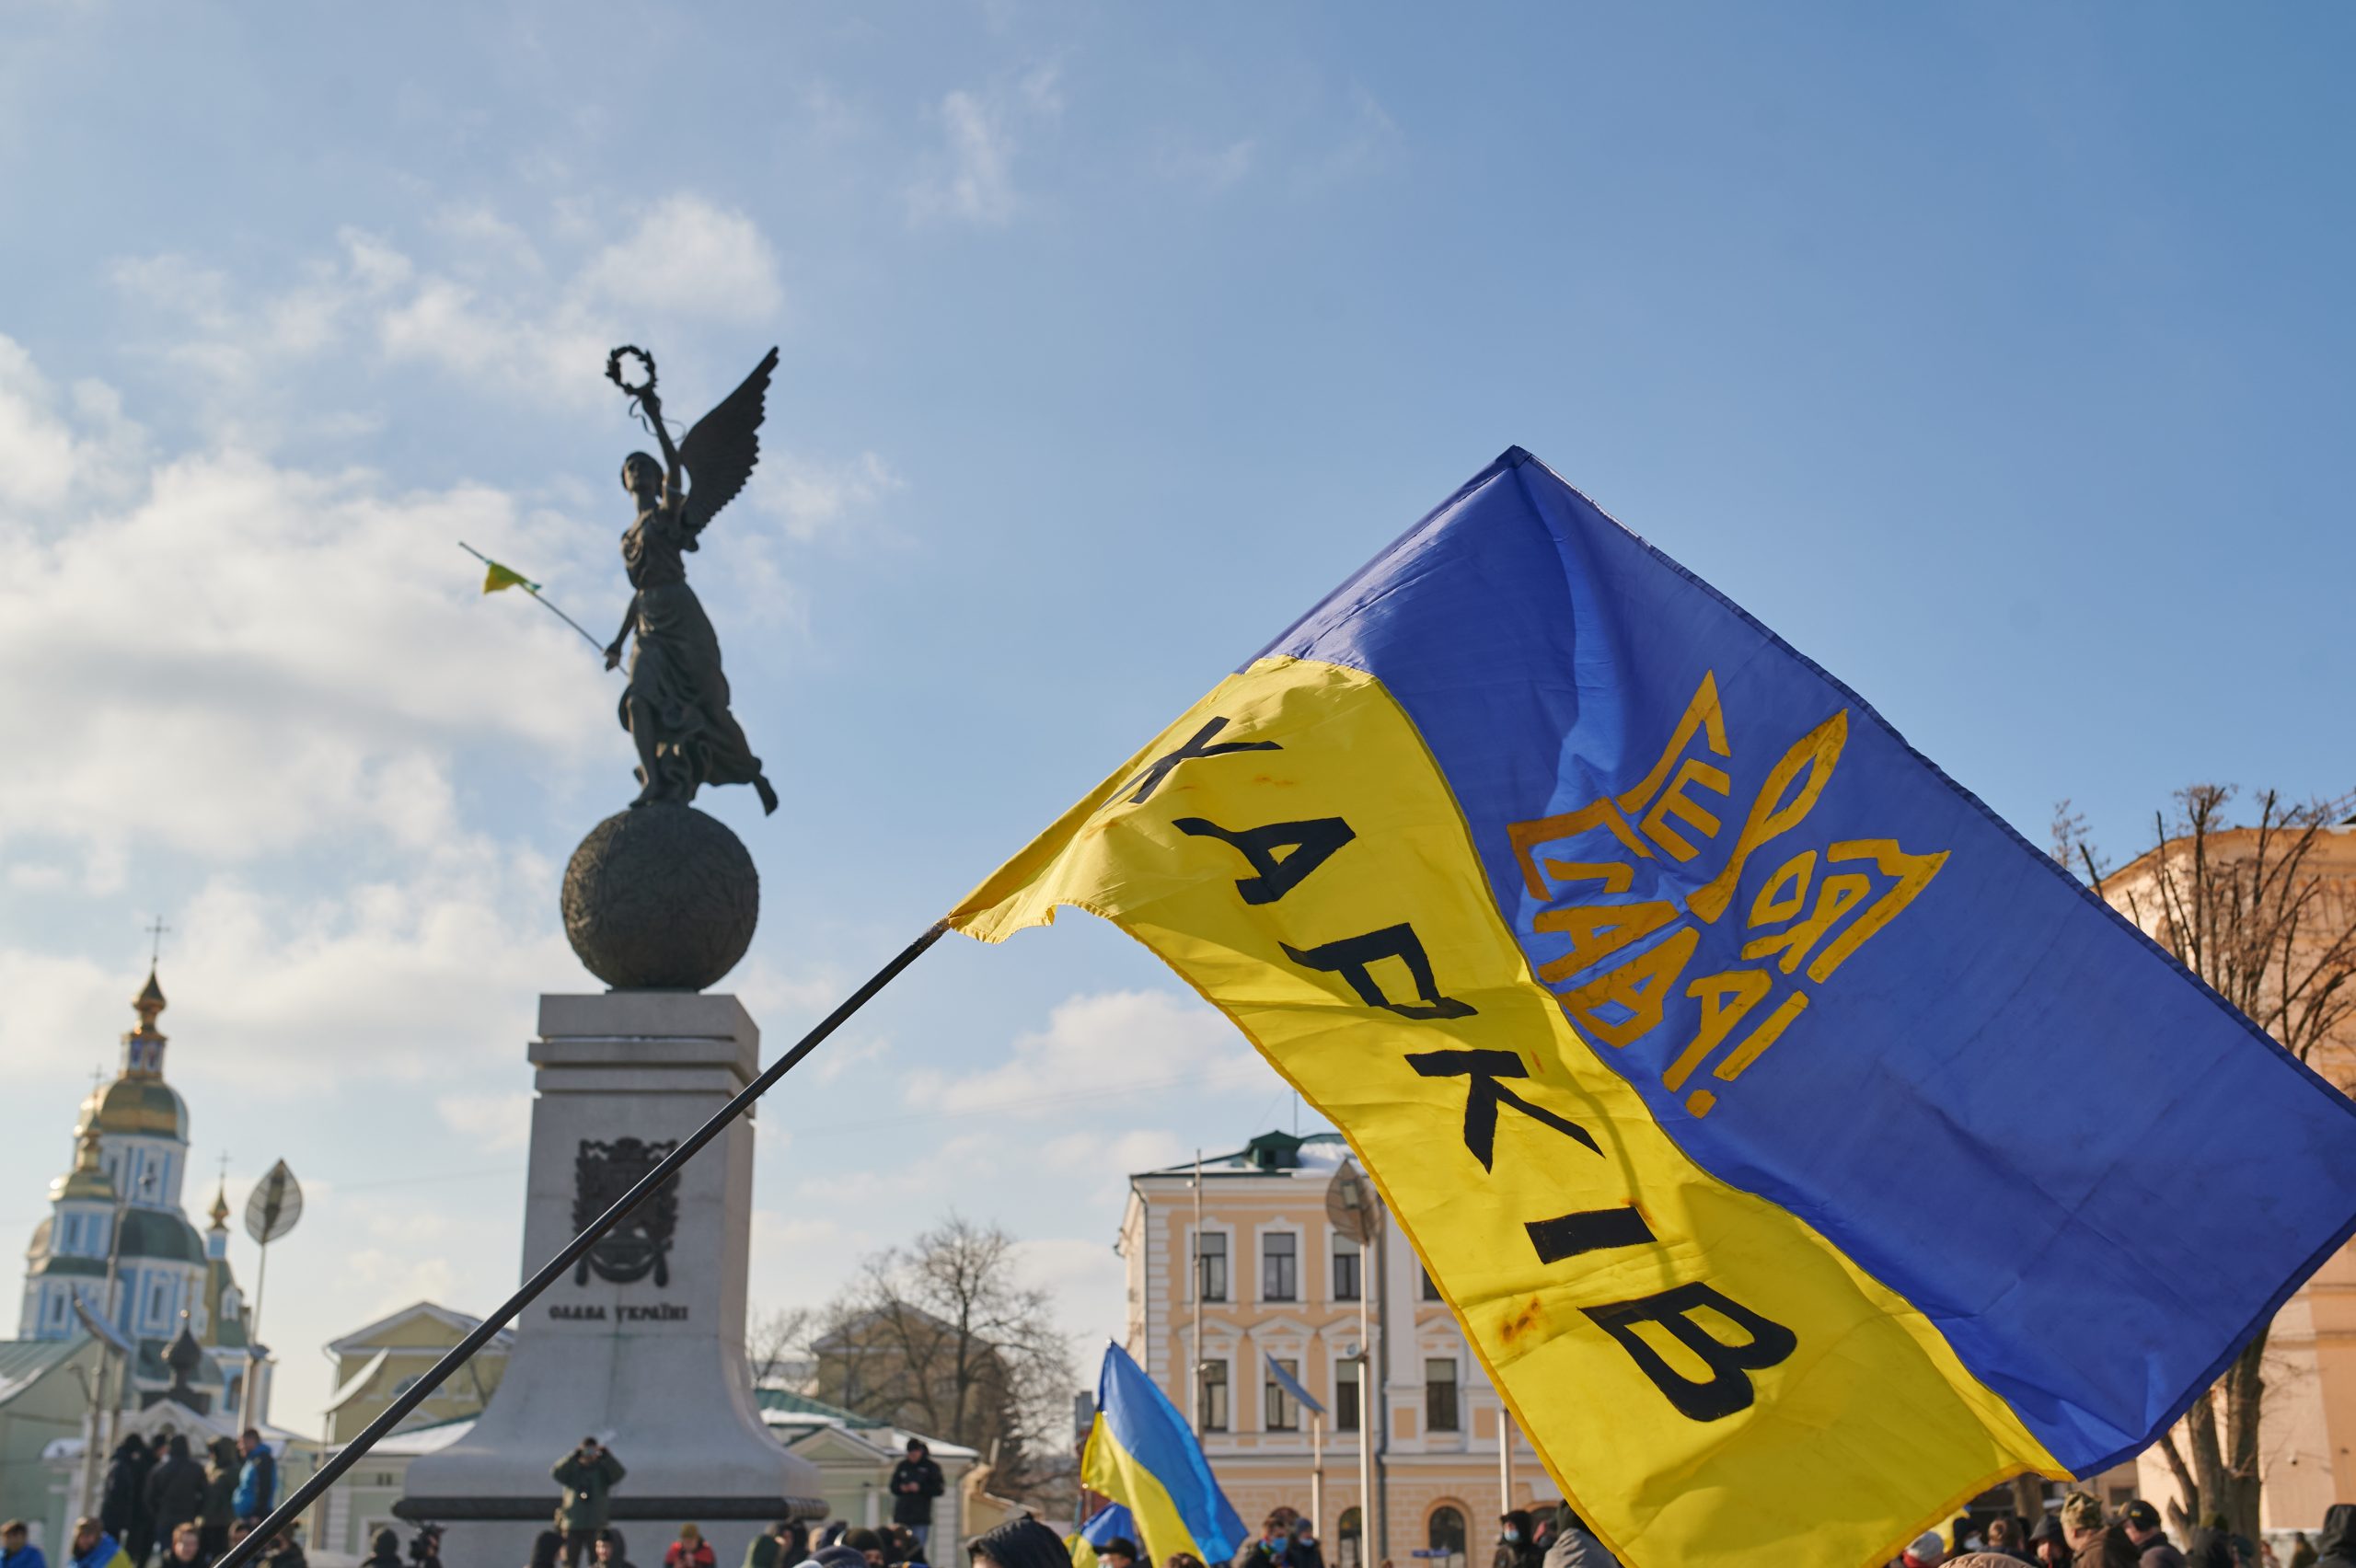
(175, 1493)
(2335, 1546)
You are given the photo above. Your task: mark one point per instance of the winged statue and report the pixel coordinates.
(676, 706)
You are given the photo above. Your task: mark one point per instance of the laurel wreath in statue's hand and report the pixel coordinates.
(643, 389)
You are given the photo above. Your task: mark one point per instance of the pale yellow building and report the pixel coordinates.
(1278, 1279)
(377, 1365)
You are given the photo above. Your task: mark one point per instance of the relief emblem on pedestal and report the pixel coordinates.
(640, 1245)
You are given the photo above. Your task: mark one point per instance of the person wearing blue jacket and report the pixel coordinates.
(14, 1548)
(258, 1481)
(93, 1548)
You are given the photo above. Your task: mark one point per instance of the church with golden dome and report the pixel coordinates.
(117, 1238)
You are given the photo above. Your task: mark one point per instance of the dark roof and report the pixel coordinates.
(803, 1404)
(153, 1368)
(57, 1263)
(161, 1233)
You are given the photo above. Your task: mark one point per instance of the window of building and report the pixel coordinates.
(57, 1308)
(1439, 1398)
(1279, 1266)
(1282, 1411)
(1212, 1285)
(156, 1301)
(1347, 1536)
(1346, 1395)
(1444, 1532)
(1211, 1406)
(1431, 1287)
(1346, 1258)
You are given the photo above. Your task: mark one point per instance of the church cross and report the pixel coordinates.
(157, 932)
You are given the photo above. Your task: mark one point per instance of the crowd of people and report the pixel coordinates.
(162, 1506)
(583, 1526)
(161, 1503)
(2081, 1535)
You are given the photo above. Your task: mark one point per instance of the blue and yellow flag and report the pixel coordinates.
(1141, 1455)
(1112, 1522)
(1802, 1151)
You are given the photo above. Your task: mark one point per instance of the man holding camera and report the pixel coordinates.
(588, 1475)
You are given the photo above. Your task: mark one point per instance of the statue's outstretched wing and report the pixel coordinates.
(720, 451)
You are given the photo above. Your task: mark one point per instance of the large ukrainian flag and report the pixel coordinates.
(1802, 1151)
(1142, 1455)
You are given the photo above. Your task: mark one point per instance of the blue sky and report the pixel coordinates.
(1995, 355)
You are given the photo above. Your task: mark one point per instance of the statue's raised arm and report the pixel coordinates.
(675, 707)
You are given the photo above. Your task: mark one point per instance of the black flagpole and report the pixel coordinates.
(288, 1511)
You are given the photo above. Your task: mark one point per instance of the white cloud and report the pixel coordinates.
(690, 258)
(412, 979)
(1142, 1149)
(53, 449)
(1214, 169)
(971, 178)
(303, 653)
(948, 1166)
(1086, 1280)
(815, 498)
(494, 1122)
(492, 313)
(1094, 1046)
(838, 1056)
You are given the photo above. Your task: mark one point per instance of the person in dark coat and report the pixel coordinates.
(588, 1475)
(1307, 1553)
(384, 1550)
(123, 1509)
(915, 1482)
(1516, 1548)
(774, 1548)
(175, 1489)
(220, 1510)
(1272, 1548)
(2152, 1548)
(1019, 1543)
(2336, 1545)
(2211, 1545)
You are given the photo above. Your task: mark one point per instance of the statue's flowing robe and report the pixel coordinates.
(675, 666)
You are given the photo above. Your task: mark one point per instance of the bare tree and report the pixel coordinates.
(776, 1346)
(942, 1337)
(2253, 910)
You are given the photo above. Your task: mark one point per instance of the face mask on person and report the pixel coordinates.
(1512, 1536)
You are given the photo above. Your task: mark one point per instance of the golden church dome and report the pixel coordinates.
(87, 1180)
(139, 1106)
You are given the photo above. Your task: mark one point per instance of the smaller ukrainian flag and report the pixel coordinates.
(500, 577)
(1109, 1523)
(1141, 1455)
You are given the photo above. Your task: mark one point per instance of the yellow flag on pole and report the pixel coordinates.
(500, 577)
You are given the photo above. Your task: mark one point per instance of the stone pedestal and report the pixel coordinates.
(642, 1345)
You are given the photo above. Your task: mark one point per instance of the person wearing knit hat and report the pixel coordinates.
(1927, 1551)
(2094, 1544)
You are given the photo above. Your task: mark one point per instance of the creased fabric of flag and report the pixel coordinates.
(1141, 1454)
(496, 577)
(1802, 1151)
(1109, 1523)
